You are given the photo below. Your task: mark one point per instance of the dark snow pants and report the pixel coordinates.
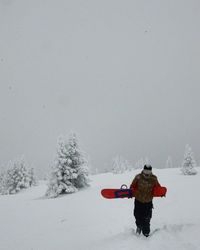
(143, 214)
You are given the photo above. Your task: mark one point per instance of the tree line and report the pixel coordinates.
(69, 173)
(70, 170)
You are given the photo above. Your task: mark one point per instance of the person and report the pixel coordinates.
(142, 187)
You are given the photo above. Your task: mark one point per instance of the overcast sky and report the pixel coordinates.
(124, 75)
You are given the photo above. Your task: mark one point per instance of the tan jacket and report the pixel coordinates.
(143, 187)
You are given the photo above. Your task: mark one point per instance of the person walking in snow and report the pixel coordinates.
(142, 186)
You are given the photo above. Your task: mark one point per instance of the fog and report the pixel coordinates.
(124, 75)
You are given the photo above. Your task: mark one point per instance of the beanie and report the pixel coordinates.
(147, 169)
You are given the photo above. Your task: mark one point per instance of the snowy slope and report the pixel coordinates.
(85, 220)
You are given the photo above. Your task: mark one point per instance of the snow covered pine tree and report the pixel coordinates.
(2, 181)
(32, 179)
(189, 163)
(70, 170)
(169, 162)
(17, 177)
(119, 165)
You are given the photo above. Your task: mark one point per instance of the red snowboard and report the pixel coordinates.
(128, 193)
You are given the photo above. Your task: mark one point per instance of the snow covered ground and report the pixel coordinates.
(86, 221)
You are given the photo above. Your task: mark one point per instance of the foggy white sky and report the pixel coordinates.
(123, 74)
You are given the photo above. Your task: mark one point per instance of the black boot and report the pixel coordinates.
(138, 230)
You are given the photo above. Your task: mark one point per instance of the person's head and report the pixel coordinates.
(147, 170)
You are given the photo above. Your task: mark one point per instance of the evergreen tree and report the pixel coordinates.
(116, 165)
(119, 165)
(129, 166)
(169, 162)
(32, 177)
(16, 177)
(2, 181)
(141, 162)
(70, 171)
(189, 163)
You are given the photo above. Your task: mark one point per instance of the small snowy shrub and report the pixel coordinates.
(70, 171)
(189, 163)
